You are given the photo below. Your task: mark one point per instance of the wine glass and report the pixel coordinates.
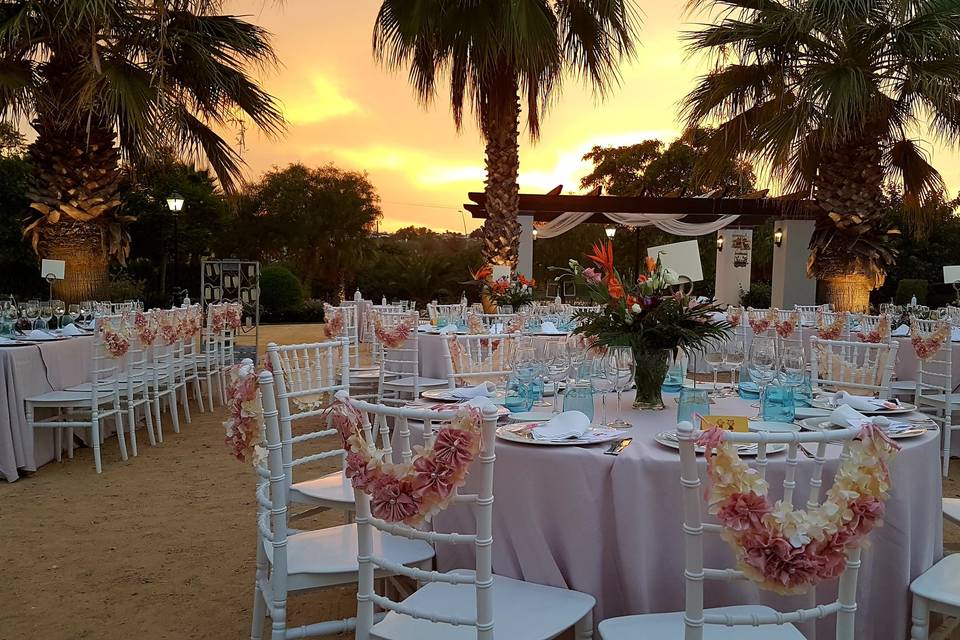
(619, 369)
(598, 374)
(74, 313)
(31, 311)
(733, 355)
(59, 308)
(86, 310)
(763, 366)
(558, 367)
(794, 366)
(713, 354)
(46, 313)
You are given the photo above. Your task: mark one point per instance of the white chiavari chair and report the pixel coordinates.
(495, 322)
(808, 313)
(87, 409)
(864, 326)
(161, 377)
(460, 604)
(132, 379)
(454, 313)
(289, 561)
(784, 318)
(400, 378)
(937, 590)
(390, 313)
(306, 377)
(862, 368)
(743, 622)
(475, 359)
(209, 365)
(172, 321)
(192, 319)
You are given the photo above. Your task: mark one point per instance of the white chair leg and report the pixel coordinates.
(210, 391)
(132, 420)
(70, 442)
(259, 613)
(95, 442)
(946, 440)
(174, 415)
(920, 618)
(59, 442)
(278, 618)
(185, 401)
(118, 425)
(148, 418)
(583, 630)
(196, 393)
(156, 413)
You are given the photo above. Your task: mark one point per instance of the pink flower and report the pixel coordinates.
(833, 556)
(591, 275)
(744, 512)
(357, 470)
(779, 562)
(394, 500)
(431, 476)
(453, 447)
(867, 512)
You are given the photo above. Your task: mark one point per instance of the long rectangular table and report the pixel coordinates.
(28, 370)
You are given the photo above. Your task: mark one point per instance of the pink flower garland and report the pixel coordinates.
(760, 322)
(409, 492)
(145, 329)
(734, 315)
(233, 315)
(243, 433)
(393, 338)
(831, 332)
(217, 318)
(878, 335)
(927, 346)
(790, 551)
(333, 325)
(786, 327)
(116, 342)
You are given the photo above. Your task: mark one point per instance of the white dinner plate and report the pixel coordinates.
(51, 338)
(819, 424)
(905, 407)
(669, 439)
(447, 406)
(521, 433)
(810, 412)
(531, 416)
(442, 395)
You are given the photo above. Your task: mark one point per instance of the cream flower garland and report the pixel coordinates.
(926, 346)
(244, 436)
(333, 321)
(408, 492)
(393, 338)
(787, 550)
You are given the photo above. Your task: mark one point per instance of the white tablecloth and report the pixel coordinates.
(611, 526)
(27, 371)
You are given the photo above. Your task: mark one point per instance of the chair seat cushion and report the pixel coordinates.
(411, 381)
(334, 550)
(669, 626)
(951, 510)
(334, 488)
(941, 582)
(903, 385)
(521, 611)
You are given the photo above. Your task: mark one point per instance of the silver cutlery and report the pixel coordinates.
(617, 447)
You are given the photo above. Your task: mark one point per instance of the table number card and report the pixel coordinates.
(727, 423)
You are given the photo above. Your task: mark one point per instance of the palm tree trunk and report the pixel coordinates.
(501, 130)
(848, 255)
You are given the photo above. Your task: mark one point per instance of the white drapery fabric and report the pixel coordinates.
(669, 222)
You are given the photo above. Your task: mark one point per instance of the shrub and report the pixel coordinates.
(909, 287)
(280, 291)
(757, 296)
(125, 287)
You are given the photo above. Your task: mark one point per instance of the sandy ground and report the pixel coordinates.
(160, 546)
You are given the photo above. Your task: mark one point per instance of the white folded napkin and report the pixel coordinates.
(72, 330)
(846, 416)
(860, 403)
(482, 390)
(549, 327)
(37, 334)
(902, 330)
(569, 424)
(450, 328)
(424, 327)
(480, 403)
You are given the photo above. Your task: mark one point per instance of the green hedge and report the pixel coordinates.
(280, 291)
(909, 287)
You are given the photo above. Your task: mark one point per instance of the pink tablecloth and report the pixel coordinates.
(26, 371)
(611, 526)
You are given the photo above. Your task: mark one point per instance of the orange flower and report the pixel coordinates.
(641, 278)
(482, 273)
(651, 264)
(615, 288)
(526, 282)
(603, 256)
(632, 300)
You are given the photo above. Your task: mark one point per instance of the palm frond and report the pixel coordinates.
(921, 182)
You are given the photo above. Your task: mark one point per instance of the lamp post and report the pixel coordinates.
(611, 231)
(175, 204)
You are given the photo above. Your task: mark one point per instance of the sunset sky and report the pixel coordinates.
(344, 108)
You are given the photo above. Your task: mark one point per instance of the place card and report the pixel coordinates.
(727, 423)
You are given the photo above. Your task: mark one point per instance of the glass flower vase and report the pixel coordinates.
(651, 369)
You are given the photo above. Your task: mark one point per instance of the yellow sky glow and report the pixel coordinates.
(345, 108)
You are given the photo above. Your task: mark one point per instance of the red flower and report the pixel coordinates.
(482, 273)
(641, 278)
(526, 282)
(453, 447)
(651, 264)
(615, 288)
(603, 256)
(357, 471)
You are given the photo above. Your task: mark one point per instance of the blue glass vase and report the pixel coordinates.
(778, 403)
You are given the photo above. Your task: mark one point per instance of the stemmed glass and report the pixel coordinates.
(86, 310)
(794, 366)
(59, 308)
(619, 368)
(763, 367)
(74, 311)
(598, 375)
(46, 314)
(31, 311)
(8, 315)
(713, 354)
(733, 355)
(557, 367)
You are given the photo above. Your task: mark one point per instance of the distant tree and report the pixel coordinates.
(19, 267)
(315, 221)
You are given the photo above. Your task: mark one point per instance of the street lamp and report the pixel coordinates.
(175, 204)
(611, 231)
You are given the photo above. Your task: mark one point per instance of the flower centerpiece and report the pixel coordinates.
(514, 291)
(654, 316)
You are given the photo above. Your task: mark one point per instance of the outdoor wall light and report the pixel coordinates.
(720, 242)
(778, 237)
(611, 231)
(534, 234)
(175, 202)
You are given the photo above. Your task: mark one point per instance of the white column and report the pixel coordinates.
(791, 285)
(525, 257)
(733, 264)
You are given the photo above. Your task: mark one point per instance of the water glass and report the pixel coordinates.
(692, 401)
(763, 365)
(676, 373)
(31, 311)
(517, 396)
(619, 367)
(733, 357)
(778, 404)
(803, 392)
(579, 397)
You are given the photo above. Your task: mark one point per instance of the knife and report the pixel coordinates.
(619, 446)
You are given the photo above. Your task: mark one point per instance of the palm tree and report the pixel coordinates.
(118, 80)
(497, 53)
(826, 94)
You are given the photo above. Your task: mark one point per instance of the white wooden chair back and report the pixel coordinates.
(482, 540)
(475, 359)
(844, 607)
(808, 313)
(495, 322)
(402, 361)
(454, 313)
(306, 379)
(953, 315)
(861, 368)
(105, 368)
(388, 314)
(868, 325)
(790, 315)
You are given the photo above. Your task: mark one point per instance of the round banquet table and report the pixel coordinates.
(610, 526)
